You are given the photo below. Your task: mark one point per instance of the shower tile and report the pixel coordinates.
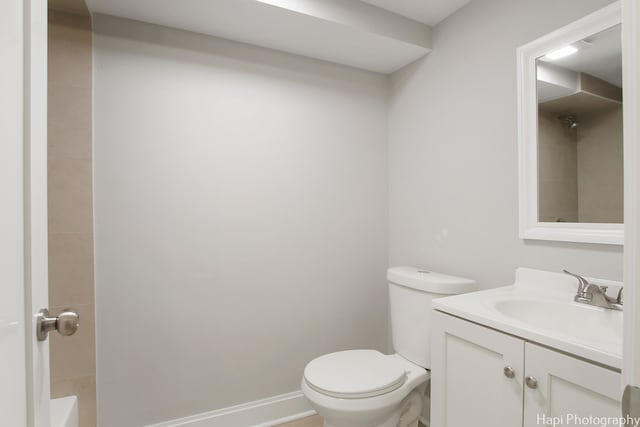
(69, 105)
(70, 57)
(70, 269)
(75, 355)
(70, 202)
(85, 389)
(69, 140)
(70, 196)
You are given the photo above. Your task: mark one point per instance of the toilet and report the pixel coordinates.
(365, 388)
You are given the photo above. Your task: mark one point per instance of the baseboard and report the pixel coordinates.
(259, 413)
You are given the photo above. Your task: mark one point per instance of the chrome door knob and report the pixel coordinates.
(66, 323)
(509, 372)
(531, 382)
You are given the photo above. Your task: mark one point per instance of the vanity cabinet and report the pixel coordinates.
(484, 377)
(568, 388)
(468, 384)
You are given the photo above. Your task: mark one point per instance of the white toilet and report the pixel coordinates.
(365, 388)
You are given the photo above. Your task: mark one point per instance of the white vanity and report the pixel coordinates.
(525, 355)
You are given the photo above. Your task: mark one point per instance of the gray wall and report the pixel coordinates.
(453, 149)
(240, 219)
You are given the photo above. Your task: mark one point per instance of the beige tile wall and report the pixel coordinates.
(600, 167)
(71, 282)
(557, 170)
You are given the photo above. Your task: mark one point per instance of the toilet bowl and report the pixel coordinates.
(365, 388)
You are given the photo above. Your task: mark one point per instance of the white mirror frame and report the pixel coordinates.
(530, 227)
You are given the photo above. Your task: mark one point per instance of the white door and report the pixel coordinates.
(24, 361)
(477, 375)
(12, 330)
(564, 390)
(631, 106)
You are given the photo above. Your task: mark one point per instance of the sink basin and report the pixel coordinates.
(539, 308)
(578, 322)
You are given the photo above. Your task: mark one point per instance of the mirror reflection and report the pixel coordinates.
(580, 158)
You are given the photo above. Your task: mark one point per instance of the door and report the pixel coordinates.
(24, 363)
(631, 108)
(563, 390)
(12, 330)
(467, 361)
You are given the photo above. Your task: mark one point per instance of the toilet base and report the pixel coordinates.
(416, 423)
(406, 416)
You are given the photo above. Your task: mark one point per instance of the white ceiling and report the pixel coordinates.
(429, 12)
(601, 57)
(346, 32)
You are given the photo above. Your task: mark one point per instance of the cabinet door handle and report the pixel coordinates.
(509, 372)
(531, 382)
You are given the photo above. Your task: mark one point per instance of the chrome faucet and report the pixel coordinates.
(582, 284)
(592, 294)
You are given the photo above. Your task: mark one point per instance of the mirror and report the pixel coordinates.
(579, 90)
(570, 132)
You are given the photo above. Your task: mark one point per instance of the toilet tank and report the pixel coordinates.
(411, 291)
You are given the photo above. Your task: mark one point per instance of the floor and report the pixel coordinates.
(314, 421)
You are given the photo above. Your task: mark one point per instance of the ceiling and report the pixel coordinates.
(601, 56)
(345, 32)
(429, 12)
(376, 35)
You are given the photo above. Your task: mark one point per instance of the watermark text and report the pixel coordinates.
(588, 421)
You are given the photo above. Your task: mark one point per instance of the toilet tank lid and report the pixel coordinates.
(429, 281)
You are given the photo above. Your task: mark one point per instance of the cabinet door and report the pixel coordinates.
(569, 390)
(469, 386)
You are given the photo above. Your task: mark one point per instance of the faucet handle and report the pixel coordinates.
(583, 283)
(577, 276)
(619, 298)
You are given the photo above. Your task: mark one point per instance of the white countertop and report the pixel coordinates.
(553, 318)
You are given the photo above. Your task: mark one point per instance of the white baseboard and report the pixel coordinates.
(260, 413)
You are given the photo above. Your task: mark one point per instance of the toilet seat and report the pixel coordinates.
(355, 374)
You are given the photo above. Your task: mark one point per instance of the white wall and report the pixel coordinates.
(453, 149)
(240, 218)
